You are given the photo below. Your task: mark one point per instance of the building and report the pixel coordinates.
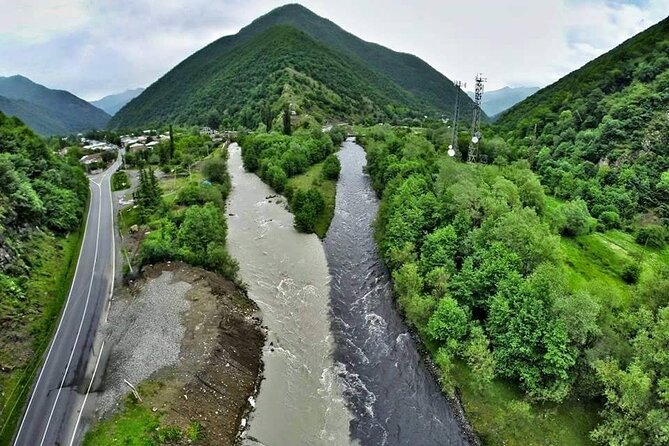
(137, 147)
(87, 160)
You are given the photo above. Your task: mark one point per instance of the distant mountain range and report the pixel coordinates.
(114, 102)
(47, 111)
(291, 55)
(496, 101)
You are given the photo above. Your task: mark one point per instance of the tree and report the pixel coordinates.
(148, 194)
(477, 353)
(331, 167)
(202, 225)
(448, 323)
(439, 250)
(171, 142)
(215, 170)
(307, 206)
(287, 130)
(530, 343)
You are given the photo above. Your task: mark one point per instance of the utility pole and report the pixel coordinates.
(473, 153)
(453, 147)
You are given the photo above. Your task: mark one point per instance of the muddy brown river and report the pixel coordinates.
(340, 365)
(301, 399)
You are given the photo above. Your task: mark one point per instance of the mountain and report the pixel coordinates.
(496, 101)
(601, 133)
(47, 111)
(292, 55)
(114, 102)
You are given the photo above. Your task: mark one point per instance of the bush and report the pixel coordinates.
(198, 194)
(631, 272)
(609, 220)
(654, 236)
(577, 218)
(331, 167)
(307, 207)
(120, 181)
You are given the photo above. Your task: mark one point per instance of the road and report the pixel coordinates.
(53, 414)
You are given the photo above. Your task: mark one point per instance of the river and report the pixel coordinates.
(301, 397)
(394, 399)
(340, 365)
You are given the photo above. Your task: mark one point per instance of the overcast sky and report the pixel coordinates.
(97, 47)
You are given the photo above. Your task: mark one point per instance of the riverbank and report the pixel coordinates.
(190, 341)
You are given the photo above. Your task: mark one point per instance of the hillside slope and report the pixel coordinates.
(602, 132)
(114, 102)
(42, 200)
(204, 84)
(48, 111)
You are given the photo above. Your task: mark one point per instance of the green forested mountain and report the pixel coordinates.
(602, 132)
(291, 55)
(47, 111)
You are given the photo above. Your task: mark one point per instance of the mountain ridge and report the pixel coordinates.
(49, 111)
(177, 96)
(112, 103)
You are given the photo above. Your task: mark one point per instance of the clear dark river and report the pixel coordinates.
(393, 398)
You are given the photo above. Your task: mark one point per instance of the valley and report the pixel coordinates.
(295, 236)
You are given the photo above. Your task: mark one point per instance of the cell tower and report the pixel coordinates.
(453, 147)
(473, 154)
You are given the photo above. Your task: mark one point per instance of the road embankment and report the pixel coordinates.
(190, 342)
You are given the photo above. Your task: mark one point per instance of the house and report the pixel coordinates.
(87, 160)
(152, 144)
(137, 147)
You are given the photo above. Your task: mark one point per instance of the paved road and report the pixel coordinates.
(52, 416)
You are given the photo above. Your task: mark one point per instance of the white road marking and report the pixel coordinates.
(60, 323)
(90, 385)
(81, 322)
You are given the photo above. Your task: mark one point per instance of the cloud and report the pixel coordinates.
(97, 47)
(38, 20)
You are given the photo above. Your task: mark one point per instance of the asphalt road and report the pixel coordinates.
(53, 414)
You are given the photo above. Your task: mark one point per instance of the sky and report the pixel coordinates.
(98, 47)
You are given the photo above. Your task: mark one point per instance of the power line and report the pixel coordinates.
(473, 153)
(453, 147)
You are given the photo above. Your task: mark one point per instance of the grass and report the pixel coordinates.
(328, 188)
(53, 263)
(501, 416)
(137, 424)
(120, 181)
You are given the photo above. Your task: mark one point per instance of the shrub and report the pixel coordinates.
(331, 167)
(577, 218)
(631, 272)
(654, 236)
(307, 207)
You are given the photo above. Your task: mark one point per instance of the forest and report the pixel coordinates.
(601, 134)
(493, 273)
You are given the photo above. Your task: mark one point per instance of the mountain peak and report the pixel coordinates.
(361, 78)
